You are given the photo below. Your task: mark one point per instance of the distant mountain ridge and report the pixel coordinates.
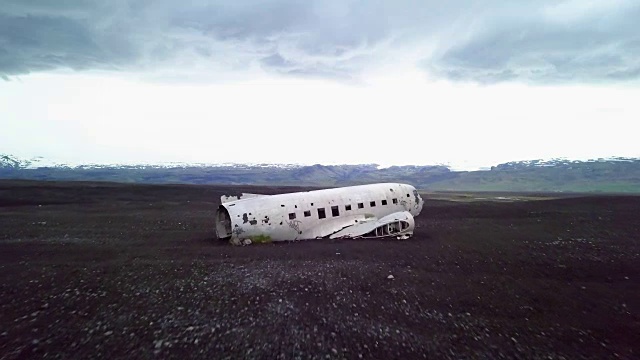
(616, 174)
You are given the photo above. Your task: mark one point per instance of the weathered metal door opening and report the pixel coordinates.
(223, 223)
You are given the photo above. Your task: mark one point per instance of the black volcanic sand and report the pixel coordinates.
(119, 271)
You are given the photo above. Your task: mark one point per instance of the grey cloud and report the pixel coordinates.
(281, 65)
(251, 20)
(35, 43)
(66, 8)
(128, 34)
(276, 61)
(599, 48)
(469, 40)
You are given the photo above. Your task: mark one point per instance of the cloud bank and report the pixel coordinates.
(577, 41)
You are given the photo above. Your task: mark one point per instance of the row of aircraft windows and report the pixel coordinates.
(335, 210)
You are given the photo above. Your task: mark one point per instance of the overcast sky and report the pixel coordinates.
(466, 83)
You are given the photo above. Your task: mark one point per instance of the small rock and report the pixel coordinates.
(108, 333)
(158, 344)
(190, 328)
(390, 277)
(334, 351)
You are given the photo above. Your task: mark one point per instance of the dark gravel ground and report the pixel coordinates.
(123, 271)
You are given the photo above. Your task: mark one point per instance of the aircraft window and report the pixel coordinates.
(311, 204)
(384, 202)
(394, 200)
(321, 214)
(360, 206)
(307, 213)
(407, 195)
(292, 216)
(373, 204)
(334, 211)
(347, 207)
(282, 205)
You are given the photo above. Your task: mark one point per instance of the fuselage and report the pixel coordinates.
(313, 214)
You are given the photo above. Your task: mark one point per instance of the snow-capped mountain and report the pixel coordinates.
(615, 174)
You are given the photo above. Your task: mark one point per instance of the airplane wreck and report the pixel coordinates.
(383, 210)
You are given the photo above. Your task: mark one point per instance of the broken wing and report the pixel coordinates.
(399, 225)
